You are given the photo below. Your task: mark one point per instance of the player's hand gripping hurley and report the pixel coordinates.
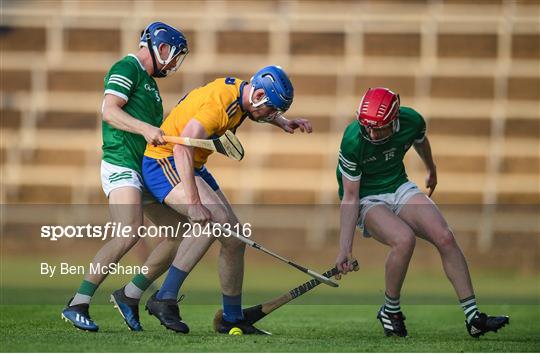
(227, 144)
(276, 303)
(255, 245)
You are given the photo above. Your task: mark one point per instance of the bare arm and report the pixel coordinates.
(119, 119)
(424, 151)
(350, 206)
(183, 159)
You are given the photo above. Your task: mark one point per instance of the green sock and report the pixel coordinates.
(84, 294)
(141, 281)
(137, 286)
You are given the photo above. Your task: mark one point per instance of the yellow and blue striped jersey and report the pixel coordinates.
(217, 106)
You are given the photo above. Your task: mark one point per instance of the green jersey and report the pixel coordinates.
(379, 168)
(129, 80)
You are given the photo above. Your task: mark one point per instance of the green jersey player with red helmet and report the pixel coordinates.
(378, 198)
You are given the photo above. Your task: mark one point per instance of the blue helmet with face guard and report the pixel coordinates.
(277, 86)
(158, 33)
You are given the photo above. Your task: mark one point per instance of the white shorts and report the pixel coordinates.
(393, 201)
(113, 176)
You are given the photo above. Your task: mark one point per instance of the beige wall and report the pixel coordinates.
(470, 67)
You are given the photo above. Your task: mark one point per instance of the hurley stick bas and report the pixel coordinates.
(257, 312)
(227, 144)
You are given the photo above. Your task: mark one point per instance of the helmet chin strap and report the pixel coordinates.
(157, 72)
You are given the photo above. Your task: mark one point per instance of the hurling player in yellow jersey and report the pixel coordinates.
(176, 175)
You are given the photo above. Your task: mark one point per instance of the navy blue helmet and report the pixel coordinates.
(158, 33)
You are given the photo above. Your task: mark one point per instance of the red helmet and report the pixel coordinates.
(378, 108)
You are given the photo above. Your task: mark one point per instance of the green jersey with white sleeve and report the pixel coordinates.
(129, 80)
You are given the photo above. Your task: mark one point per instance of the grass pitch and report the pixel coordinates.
(296, 328)
(325, 320)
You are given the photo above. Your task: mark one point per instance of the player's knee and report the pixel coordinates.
(220, 215)
(126, 243)
(131, 225)
(445, 239)
(406, 242)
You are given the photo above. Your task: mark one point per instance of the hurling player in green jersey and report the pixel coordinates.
(378, 198)
(132, 113)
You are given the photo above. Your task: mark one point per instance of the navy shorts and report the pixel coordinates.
(160, 176)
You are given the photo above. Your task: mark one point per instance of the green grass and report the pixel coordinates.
(296, 328)
(325, 320)
(20, 280)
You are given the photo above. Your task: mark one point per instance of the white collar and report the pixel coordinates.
(138, 61)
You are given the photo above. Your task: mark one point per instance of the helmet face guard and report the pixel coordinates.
(365, 132)
(264, 102)
(157, 34)
(378, 109)
(174, 52)
(270, 118)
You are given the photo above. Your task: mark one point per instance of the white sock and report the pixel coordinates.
(131, 290)
(80, 299)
